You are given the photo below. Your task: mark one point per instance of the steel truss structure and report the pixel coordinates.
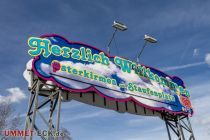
(52, 99)
(53, 95)
(180, 126)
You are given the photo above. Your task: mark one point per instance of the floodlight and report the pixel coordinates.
(150, 39)
(147, 39)
(119, 26)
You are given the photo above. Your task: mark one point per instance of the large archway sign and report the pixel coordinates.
(81, 68)
(62, 70)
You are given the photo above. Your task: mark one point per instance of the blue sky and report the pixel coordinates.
(183, 49)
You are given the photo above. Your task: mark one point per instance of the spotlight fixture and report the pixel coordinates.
(150, 39)
(119, 26)
(147, 39)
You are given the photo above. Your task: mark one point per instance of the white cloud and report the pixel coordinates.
(207, 59)
(201, 116)
(195, 52)
(184, 66)
(88, 115)
(140, 121)
(201, 107)
(26, 73)
(198, 89)
(15, 95)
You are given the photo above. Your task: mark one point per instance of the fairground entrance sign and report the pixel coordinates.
(89, 75)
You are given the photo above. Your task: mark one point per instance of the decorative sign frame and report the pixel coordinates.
(78, 67)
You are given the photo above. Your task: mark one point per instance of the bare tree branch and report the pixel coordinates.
(7, 121)
(5, 113)
(66, 136)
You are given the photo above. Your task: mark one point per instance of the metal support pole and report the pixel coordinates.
(35, 107)
(29, 102)
(27, 117)
(169, 135)
(178, 131)
(58, 113)
(111, 41)
(192, 134)
(50, 117)
(145, 44)
(180, 128)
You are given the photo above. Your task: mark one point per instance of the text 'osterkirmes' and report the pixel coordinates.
(42, 46)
